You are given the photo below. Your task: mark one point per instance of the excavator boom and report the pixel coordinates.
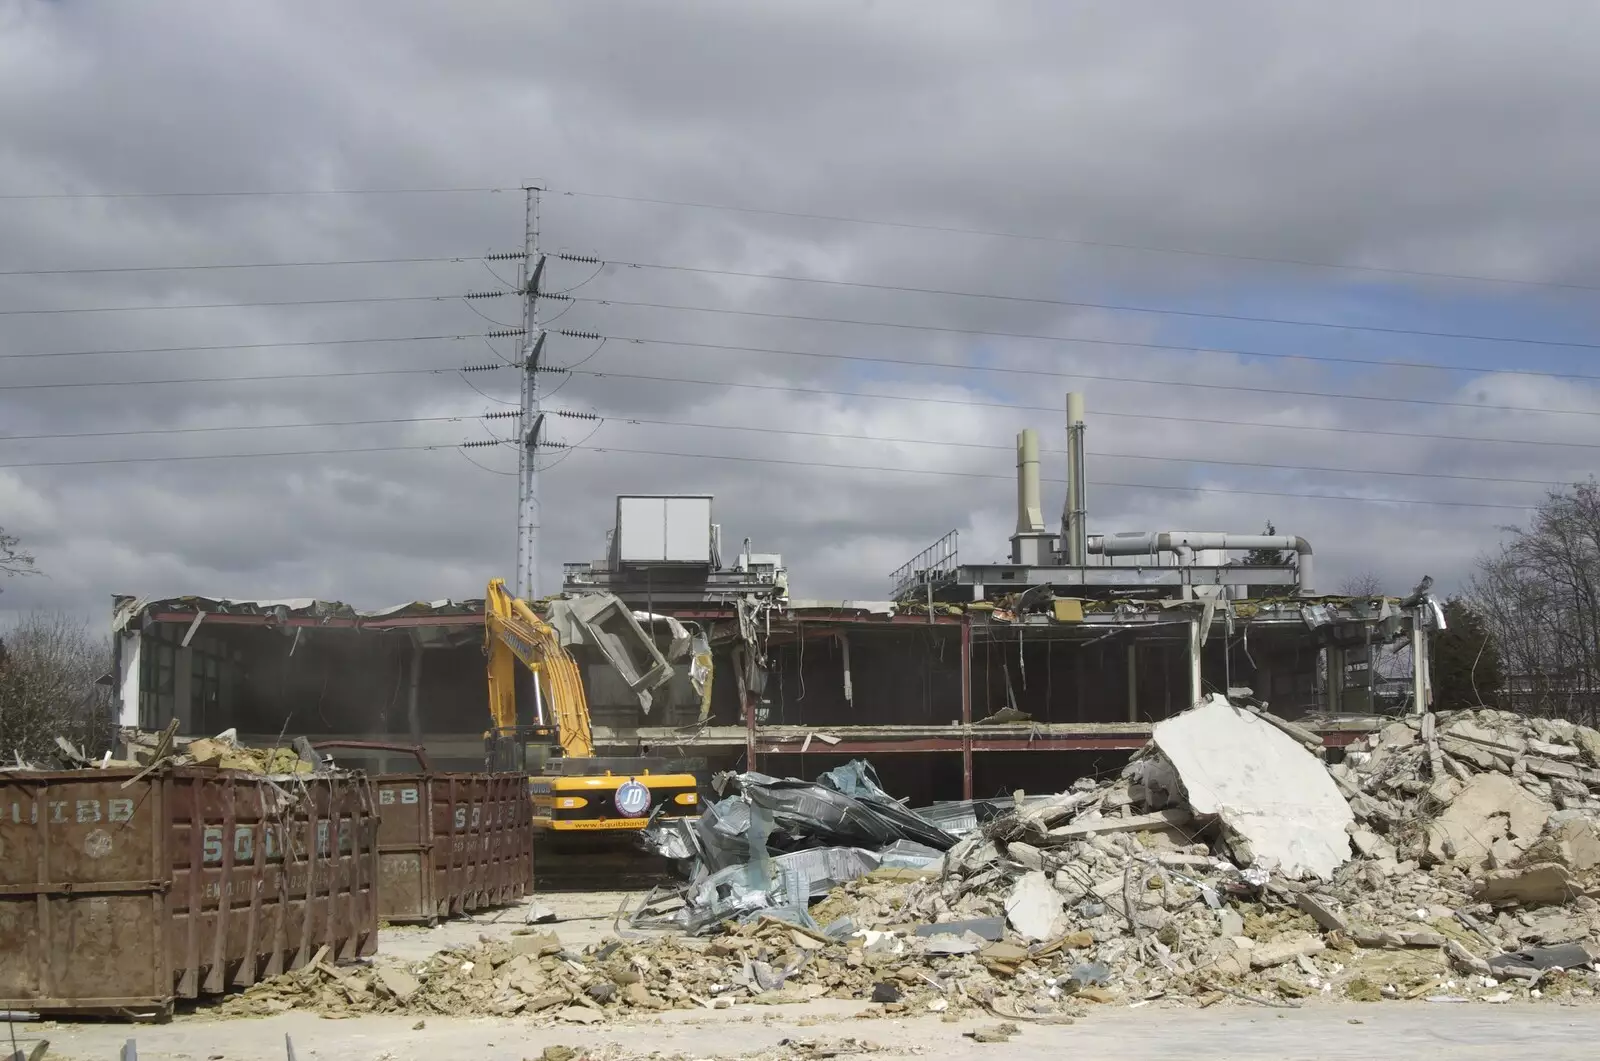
(515, 633)
(579, 792)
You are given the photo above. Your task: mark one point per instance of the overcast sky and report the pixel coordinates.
(1387, 142)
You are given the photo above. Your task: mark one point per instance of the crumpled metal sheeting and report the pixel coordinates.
(960, 818)
(723, 830)
(796, 878)
(908, 854)
(872, 819)
(854, 778)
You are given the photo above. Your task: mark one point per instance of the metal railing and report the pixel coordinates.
(935, 566)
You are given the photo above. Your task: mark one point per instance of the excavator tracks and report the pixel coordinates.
(597, 863)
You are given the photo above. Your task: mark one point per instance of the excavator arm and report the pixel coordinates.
(513, 632)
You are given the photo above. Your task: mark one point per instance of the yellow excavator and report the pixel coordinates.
(572, 790)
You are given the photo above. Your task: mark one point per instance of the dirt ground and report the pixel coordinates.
(582, 918)
(1320, 1031)
(1353, 1032)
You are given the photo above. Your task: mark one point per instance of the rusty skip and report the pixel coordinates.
(448, 843)
(185, 883)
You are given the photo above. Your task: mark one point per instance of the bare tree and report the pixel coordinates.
(1539, 597)
(49, 670)
(13, 561)
(1361, 584)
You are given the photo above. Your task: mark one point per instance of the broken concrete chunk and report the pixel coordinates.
(1321, 912)
(1568, 770)
(1488, 807)
(536, 944)
(399, 983)
(1465, 960)
(1133, 823)
(1573, 842)
(949, 943)
(1396, 735)
(1263, 784)
(1285, 949)
(1370, 844)
(1552, 751)
(1008, 953)
(1226, 957)
(1025, 855)
(989, 928)
(1035, 909)
(1542, 882)
(1588, 740)
(1481, 757)
(1230, 922)
(1499, 740)
(1375, 938)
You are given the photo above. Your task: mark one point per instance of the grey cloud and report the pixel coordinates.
(1454, 136)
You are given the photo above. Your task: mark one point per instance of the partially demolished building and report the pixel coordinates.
(963, 680)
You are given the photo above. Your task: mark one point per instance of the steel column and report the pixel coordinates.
(966, 708)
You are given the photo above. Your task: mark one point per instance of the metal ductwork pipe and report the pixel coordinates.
(1186, 543)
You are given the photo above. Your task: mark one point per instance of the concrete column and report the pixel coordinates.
(966, 707)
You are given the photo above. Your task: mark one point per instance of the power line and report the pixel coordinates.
(810, 216)
(1093, 482)
(251, 305)
(242, 379)
(235, 265)
(1069, 241)
(624, 419)
(761, 460)
(246, 427)
(1055, 374)
(974, 403)
(1109, 306)
(245, 193)
(272, 346)
(230, 456)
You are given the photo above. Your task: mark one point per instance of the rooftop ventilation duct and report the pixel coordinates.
(1185, 543)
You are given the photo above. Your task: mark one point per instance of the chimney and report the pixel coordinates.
(1074, 518)
(1030, 544)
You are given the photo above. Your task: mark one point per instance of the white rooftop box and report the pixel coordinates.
(664, 529)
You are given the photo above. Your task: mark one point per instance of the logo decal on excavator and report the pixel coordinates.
(632, 799)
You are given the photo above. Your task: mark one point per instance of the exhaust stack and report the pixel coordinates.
(1074, 516)
(1030, 517)
(1030, 545)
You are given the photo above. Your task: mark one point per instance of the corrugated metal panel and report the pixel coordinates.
(120, 900)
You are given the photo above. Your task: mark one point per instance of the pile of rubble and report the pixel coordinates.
(1450, 858)
(153, 751)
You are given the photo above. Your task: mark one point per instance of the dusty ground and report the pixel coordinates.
(582, 918)
(1327, 1030)
(1354, 1032)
